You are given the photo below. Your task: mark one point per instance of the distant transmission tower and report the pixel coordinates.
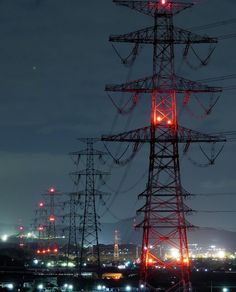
(21, 230)
(163, 214)
(40, 223)
(116, 246)
(88, 196)
(73, 228)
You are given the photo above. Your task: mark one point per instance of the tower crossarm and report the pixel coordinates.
(85, 152)
(162, 84)
(83, 193)
(164, 135)
(159, 35)
(87, 172)
(153, 8)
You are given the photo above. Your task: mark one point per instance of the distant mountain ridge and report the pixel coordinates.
(204, 236)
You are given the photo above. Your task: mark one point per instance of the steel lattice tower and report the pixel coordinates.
(72, 246)
(40, 222)
(163, 213)
(116, 246)
(51, 218)
(88, 198)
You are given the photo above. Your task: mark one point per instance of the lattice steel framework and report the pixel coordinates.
(163, 213)
(40, 221)
(116, 246)
(87, 198)
(72, 250)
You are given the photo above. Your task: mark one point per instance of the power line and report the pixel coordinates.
(219, 78)
(216, 211)
(214, 194)
(213, 25)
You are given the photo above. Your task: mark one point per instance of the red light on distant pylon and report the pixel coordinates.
(52, 218)
(40, 228)
(21, 228)
(169, 122)
(38, 251)
(51, 190)
(41, 204)
(163, 2)
(55, 250)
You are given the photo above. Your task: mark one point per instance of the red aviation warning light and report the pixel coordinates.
(41, 204)
(41, 228)
(21, 228)
(52, 218)
(52, 190)
(163, 2)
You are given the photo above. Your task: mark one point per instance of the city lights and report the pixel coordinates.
(4, 237)
(10, 286)
(40, 287)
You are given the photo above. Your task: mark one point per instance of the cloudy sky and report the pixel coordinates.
(55, 60)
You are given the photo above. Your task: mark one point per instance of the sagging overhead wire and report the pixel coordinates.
(219, 78)
(213, 194)
(139, 180)
(211, 158)
(217, 24)
(216, 211)
(124, 110)
(227, 36)
(130, 59)
(229, 135)
(213, 25)
(118, 161)
(205, 109)
(202, 61)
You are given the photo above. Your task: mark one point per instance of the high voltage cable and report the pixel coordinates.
(214, 194)
(216, 211)
(219, 78)
(213, 25)
(227, 36)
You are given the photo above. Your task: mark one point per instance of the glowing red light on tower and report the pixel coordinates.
(169, 122)
(52, 190)
(163, 2)
(21, 228)
(52, 218)
(40, 228)
(55, 250)
(41, 204)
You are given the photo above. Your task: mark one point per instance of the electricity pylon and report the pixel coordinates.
(88, 199)
(163, 213)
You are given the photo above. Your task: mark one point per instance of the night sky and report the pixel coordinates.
(55, 60)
